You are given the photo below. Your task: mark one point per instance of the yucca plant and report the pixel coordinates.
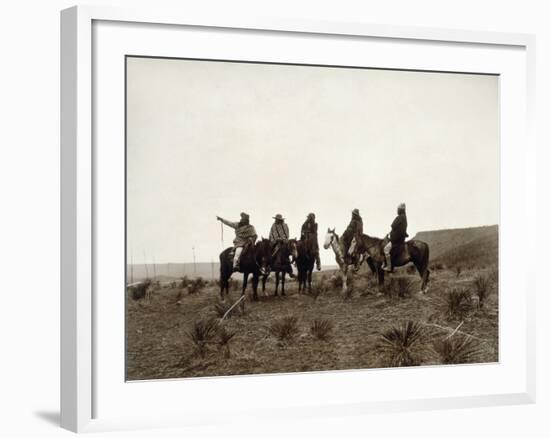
(482, 286)
(320, 328)
(400, 345)
(201, 334)
(458, 303)
(224, 336)
(284, 329)
(457, 350)
(221, 307)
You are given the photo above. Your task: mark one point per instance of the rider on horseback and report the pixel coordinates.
(353, 234)
(245, 234)
(279, 236)
(397, 235)
(309, 234)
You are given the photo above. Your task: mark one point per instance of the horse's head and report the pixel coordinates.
(263, 256)
(293, 248)
(329, 237)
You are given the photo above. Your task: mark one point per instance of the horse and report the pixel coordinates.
(332, 240)
(415, 251)
(305, 261)
(255, 260)
(281, 265)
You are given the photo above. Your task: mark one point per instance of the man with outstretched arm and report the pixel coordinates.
(244, 234)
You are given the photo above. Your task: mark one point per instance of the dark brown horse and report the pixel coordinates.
(280, 264)
(414, 251)
(305, 261)
(255, 259)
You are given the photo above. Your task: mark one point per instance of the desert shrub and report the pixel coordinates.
(139, 291)
(284, 329)
(224, 336)
(196, 285)
(201, 334)
(456, 350)
(173, 284)
(184, 281)
(482, 286)
(400, 345)
(437, 266)
(458, 270)
(457, 303)
(320, 328)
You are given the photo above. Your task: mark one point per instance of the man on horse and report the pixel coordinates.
(353, 234)
(398, 235)
(309, 235)
(245, 234)
(278, 236)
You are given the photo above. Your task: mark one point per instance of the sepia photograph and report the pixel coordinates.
(285, 218)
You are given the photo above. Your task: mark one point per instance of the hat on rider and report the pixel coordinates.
(311, 216)
(279, 217)
(244, 215)
(401, 206)
(355, 212)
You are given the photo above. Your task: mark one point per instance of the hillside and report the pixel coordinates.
(481, 252)
(445, 243)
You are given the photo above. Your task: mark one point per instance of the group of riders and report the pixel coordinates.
(245, 234)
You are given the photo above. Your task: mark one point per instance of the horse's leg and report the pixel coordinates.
(380, 272)
(283, 283)
(276, 283)
(255, 281)
(245, 281)
(345, 278)
(309, 275)
(424, 273)
(264, 279)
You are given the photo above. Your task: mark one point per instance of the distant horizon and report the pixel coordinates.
(216, 260)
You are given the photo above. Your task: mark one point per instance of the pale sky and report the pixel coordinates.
(217, 138)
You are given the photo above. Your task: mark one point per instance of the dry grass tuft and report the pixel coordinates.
(284, 329)
(201, 334)
(399, 346)
(320, 329)
(458, 303)
(457, 350)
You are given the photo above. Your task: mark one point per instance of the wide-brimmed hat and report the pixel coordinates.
(279, 217)
(244, 215)
(355, 211)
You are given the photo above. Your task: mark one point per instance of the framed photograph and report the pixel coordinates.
(253, 209)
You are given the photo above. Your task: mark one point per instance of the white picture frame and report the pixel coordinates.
(81, 370)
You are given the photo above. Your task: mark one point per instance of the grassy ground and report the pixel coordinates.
(159, 327)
